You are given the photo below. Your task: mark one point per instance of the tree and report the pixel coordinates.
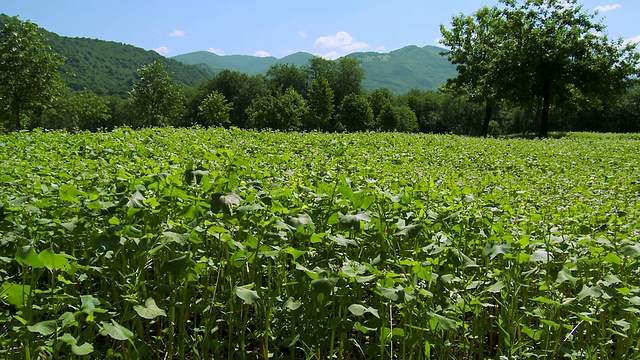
(474, 47)
(355, 114)
(280, 77)
(215, 109)
(548, 51)
(157, 100)
(282, 112)
(82, 110)
(29, 77)
(320, 104)
(378, 98)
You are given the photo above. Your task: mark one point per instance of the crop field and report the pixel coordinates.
(231, 244)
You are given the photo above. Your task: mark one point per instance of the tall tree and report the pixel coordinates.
(474, 47)
(29, 77)
(157, 100)
(355, 114)
(215, 109)
(546, 50)
(280, 77)
(320, 101)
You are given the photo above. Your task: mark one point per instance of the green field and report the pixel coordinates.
(230, 244)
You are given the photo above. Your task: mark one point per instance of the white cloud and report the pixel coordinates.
(381, 49)
(302, 34)
(633, 40)
(331, 55)
(177, 33)
(341, 40)
(605, 8)
(162, 50)
(261, 53)
(216, 51)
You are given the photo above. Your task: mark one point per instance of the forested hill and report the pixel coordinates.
(108, 67)
(250, 65)
(411, 67)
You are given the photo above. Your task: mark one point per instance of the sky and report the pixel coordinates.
(329, 28)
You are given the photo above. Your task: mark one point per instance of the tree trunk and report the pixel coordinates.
(488, 112)
(543, 131)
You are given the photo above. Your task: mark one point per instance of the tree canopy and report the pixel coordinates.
(549, 52)
(29, 78)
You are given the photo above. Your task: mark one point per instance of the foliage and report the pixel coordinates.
(223, 243)
(215, 109)
(156, 99)
(281, 77)
(550, 51)
(355, 114)
(77, 111)
(29, 78)
(320, 101)
(280, 112)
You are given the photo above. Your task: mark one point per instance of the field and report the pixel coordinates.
(229, 244)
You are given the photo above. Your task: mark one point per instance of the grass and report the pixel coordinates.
(213, 243)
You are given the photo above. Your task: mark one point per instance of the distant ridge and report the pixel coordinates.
(108, 67)
(251, 65)
(410, 67)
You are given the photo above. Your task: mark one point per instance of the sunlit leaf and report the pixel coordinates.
(150, 310)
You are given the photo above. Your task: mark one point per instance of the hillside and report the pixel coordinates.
(251, 65)
(410, 67)
(401, 70)
(108, 67)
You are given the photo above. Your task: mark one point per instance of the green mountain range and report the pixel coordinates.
(411, 67)
(108, 67)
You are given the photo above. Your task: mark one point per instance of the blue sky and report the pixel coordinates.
(277, 28)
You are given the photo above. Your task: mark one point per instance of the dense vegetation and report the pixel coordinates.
(327, 95)
(213, 243)
(411, 67)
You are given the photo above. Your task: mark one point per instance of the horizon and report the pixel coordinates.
(276, 29)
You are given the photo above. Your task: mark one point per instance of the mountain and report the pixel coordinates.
(108, 67)
(410, 67)
(251, 65)
(401, 70)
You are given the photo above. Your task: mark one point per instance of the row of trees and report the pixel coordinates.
(517, 64)
(537, 54)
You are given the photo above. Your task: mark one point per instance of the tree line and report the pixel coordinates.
(326, 95)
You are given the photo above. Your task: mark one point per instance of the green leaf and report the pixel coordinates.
(71, 194)
(341, 240)
(394, 294)
(247, 295)
(45, 328)
(82, 350)
(89, 306)
(593, 292)
(176, 266)
(224, 202)
(360, 310)
(410, 231)
(136, 200)
(53, 261)
(26, 256)
(150, 310)
(631, 250)
(443, 322)
(301, 220)
(15, 294)
(292, 304)
(115, 331)
(540, 256)
(497, 287)
(565, 275)
(322, 285)
(493, 250)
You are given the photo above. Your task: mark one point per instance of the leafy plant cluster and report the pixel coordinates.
(226, 243)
